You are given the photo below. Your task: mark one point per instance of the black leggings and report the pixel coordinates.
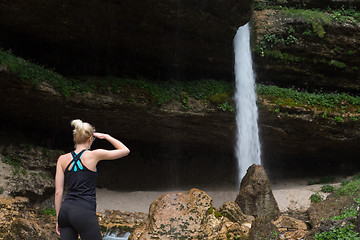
(74, 220)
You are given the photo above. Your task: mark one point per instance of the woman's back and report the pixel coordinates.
(81, 182)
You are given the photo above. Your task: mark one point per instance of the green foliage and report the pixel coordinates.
(342, 15)
(337, 64)
(34, 73)
(356, 176)
(307, 32)
(226, 107)
(159, 92)
(270, 40)
(48, 211)
(2, 190)
(338, 119)
(282, 57)
(327, 188)
(211, 210)
(327, 102)
(344, 182)
(218, 215)
(316, 18)
(345, 232)
(15, 162)
(349, 189)
(349, 212)
(315, 198)
(219, 98)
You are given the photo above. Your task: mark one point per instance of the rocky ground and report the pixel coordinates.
(121, 212)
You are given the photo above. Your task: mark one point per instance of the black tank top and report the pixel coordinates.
(81, 183)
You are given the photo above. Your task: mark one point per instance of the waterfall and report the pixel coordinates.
(247, 142)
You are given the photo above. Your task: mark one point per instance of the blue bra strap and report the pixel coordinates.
(76, 161)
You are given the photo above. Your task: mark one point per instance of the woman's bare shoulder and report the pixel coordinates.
(64, 157)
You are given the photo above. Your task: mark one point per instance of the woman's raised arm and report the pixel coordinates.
(120, 149)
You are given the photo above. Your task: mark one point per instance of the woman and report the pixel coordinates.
(77, 214)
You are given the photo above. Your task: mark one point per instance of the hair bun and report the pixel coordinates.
(77, 123)
(82, 131)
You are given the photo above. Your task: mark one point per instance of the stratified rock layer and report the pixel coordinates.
(171, 146)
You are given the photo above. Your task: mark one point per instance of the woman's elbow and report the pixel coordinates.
(127, 151)
(59, 192)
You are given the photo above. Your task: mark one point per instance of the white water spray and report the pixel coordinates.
(248, 144)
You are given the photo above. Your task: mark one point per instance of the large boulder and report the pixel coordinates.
(255, 196)
(186, 216)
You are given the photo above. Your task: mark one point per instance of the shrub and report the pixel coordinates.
(327, 188)
(315, 198)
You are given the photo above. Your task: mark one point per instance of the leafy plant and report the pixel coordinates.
(338, 119)
(349, 189)
(2, 190)
(350, 212)
(315, 198)
(328, 103)
(226, 107)
(316, 18)
(34, 73)
(345, 232)
(344, 182)
(48, 211)
(337, 64)
(327, 188)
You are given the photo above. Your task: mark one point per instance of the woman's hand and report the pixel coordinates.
(57, 229)
(100, 135)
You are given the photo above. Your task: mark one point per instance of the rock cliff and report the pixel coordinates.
(311, 45)
(175, 147)
(171, 146)
(149, 38)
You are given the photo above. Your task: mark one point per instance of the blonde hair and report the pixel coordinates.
(82, 131)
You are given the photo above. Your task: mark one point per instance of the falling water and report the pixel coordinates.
(248, 144)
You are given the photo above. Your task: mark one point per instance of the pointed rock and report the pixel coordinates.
(255, 196)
